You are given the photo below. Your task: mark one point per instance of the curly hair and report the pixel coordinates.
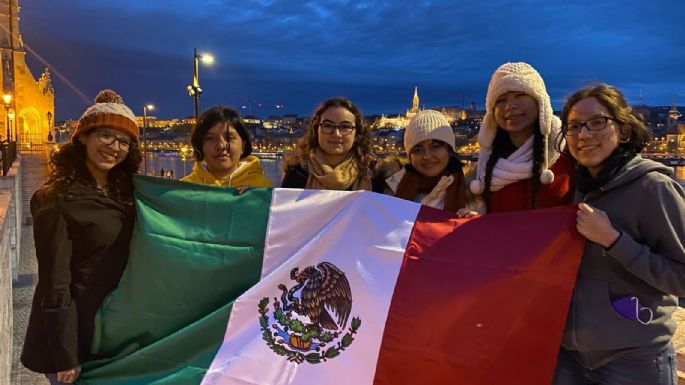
(68, 164)
(613, 100)
(362, 148)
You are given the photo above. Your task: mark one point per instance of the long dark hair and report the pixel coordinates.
(361, 148)
(68, 165)
(503, 147)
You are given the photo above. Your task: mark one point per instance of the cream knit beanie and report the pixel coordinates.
(521, 77)
(428, 124)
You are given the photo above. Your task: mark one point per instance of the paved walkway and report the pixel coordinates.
(22, 293)
(34, 169)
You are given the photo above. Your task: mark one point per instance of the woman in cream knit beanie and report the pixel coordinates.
(519, 165)
(434, 175)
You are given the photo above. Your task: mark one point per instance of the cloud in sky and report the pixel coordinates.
(300, 53)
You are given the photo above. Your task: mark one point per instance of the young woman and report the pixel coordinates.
(222, 148)
(83, 218)
(619, 326)
(434, 175)
(517, 145)
(335, 153)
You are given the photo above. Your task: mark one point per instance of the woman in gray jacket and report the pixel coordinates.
(632, 212)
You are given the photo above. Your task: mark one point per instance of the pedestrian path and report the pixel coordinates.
(22, 293)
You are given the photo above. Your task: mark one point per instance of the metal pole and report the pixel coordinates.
(196, 83)
(7, 121)
(145, 139)
(11, 31)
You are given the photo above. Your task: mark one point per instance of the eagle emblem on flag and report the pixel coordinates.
(308, 320)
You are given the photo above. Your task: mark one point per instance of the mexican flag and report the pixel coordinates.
(286, 286)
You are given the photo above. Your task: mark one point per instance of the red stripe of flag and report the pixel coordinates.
(481, 302)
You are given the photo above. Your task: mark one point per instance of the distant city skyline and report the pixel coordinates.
(272, 52)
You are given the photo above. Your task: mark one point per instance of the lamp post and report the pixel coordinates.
(146, 107)
(51, 137)
(185, 151)
(194, 89)
(7, 98)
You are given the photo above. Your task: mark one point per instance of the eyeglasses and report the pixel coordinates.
(107, 138)
(595, 124)
(344, 128)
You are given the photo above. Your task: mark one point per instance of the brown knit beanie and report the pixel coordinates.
(108, 111)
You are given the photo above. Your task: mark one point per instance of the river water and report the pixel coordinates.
(171, 162)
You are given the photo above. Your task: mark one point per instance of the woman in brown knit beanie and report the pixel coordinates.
(83, 218)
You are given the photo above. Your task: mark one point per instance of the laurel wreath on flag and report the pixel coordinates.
(299, 357)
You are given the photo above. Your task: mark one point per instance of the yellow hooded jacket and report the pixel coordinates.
(248, 173)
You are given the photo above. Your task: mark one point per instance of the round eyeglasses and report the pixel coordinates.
(107, 138)
(329, 128)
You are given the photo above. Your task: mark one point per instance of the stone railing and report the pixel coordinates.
(10, 243)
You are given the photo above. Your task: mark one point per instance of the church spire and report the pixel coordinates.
(415, 104)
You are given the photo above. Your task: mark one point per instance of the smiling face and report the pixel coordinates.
(516, 113)
(222, 148)
(105, 149)
(592, 148)
(335, 145)
(430, 157)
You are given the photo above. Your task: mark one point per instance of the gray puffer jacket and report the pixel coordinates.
(625, 295)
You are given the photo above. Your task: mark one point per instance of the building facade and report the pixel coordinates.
(30, 113)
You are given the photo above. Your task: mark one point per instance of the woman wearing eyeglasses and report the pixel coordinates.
(223, 149)
(632, 213)
(519, 166)
(82, 222)
(434, 175)
(335, 153)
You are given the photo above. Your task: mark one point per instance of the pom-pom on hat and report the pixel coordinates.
(109, 111)
(428, 124)
(521, 77)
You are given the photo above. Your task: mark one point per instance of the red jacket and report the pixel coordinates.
(517, 196)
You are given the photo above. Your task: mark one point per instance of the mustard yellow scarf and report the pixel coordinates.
(345, 176)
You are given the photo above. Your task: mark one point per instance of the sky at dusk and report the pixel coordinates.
(299, 53)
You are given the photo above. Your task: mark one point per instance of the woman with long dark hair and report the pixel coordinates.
(335, 153)
(519, 165)
(83, 218)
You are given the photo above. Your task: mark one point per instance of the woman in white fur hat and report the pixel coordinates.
(519, 165)
(434, 175)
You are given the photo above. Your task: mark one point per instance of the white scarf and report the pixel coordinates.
(516, 167)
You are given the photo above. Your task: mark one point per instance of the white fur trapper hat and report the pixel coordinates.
(521, 77)
(428, 124)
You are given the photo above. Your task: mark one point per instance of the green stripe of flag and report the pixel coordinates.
(194, 250)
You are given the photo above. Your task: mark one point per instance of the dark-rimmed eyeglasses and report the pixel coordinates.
(107, 138)
(344, 128)
(597, 123)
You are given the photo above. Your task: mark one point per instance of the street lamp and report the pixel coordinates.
(51, 137)
(146, 107)
(7, 98)
(185, 152)
(194, 89)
